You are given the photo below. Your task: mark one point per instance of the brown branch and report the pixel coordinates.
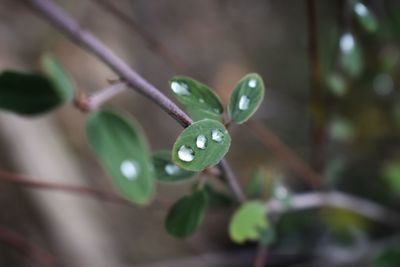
(29, 249)
(84, 38)
(364, 207)
(285, 153)
(261, 256)
(317, 125)
(30, 182)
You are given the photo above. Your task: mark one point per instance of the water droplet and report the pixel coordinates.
(130, 169)
(217, 135)
(201, 141)
(186, 154)
(180, 88)
(252, 83)
(201, 100)
(361, 9)
(347, 42)
(244, 102)
(171, 169)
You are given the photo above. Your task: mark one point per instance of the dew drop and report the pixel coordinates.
(201, 100)
(171, 169)
(217, 135)
(347, 42)
(185, 153)
(130, 169)
(252, 83)
(201, 141)
(281, 192)
(244, 102)
(180, 88)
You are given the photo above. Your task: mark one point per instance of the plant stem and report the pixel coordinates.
(317, 125)
(339, 200)
(88, 41)
(100, 97)
(30, 182)
(261, 255)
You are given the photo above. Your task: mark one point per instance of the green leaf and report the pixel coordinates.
(27, 93)
(249, 222)
(61, 80)
(391, 173)
(202, 144)
(217, 199)
(122, 148)
(337, 84)
(281, 193)
(186, 214)
(350, 57)
(254, 188)
(388, 258)
(364, 16)
(246, 98)
(167, 171)
(200, 100)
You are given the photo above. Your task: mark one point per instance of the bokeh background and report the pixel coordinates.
(344, 121)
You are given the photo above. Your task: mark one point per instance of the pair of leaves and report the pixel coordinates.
(203, 103)
(31, 93)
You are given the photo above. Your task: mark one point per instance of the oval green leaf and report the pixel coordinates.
(167, 171)
(350, 54)
(27, 93)
(59, 77)
(249, 222)
(246, 98)
(200, 100)
(364, 16)
(186, 215)
(120, 145)
(255, 187)
(202, 144)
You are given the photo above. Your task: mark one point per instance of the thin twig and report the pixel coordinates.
(88, 41)
(261, 256)
(364, 207)
(152, 43)
(285, 153)
(100, 97)
(35, 183)
(317, 125)
(31, 250)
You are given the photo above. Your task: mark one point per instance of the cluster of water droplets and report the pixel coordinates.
(186, 153)
(130, 169)
(180, 88)
(244, 100)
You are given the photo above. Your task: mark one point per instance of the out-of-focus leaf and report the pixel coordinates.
(364, 16)
(167, 171)
(388, 258)
(186, 214)
(350, 55)
(391, 173)
(254, 188)
(246, 98)
(249, 222)
(28, 93)
(281, 193)
(337, 84)
(200, 100)
(59, 77)
(340, 129)
(122, 148)
(202, 144)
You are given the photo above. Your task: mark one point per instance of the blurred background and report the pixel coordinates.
(332, 99)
